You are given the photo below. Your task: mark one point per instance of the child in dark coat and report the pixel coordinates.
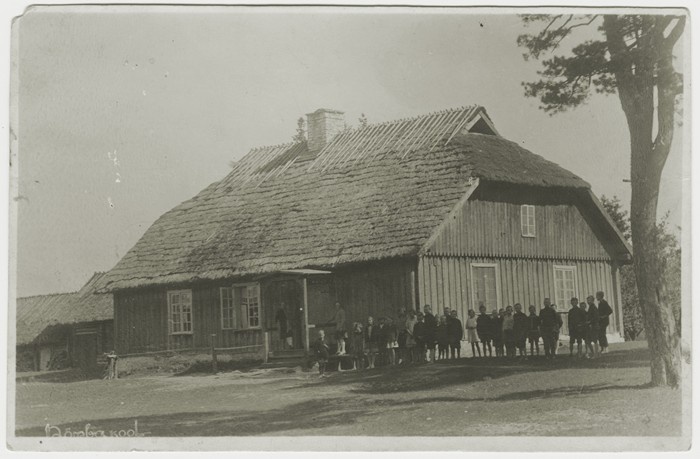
(483, 329)
(419, 336)
(520, 329)
(497, 333)
(391, 338)
(430, 326)
(321, 350)
(533, 330)
(371, 342)
(509, 331)
(442, 337)
(358, 345)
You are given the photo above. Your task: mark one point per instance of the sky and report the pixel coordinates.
(125, 113)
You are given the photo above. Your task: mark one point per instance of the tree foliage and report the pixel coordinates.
(362, 120)
(631, 312)
(300, 136)
(569, 81)
(669, 250)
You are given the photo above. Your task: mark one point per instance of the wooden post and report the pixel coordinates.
(617, 295)
(306, 316)
(214, 363)
(414, 292)
(266, 343)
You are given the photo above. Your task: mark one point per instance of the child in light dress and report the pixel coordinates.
(471, 333)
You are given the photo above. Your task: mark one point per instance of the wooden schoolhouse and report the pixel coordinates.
(438, 209)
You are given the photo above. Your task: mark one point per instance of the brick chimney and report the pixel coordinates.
(322, 126)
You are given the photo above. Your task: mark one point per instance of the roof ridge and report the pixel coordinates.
(370, 125)
(419, 117)
(47, 295)
(267, 147)
(410, 134)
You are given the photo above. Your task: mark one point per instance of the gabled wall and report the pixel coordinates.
(485, 230)
(488, 224)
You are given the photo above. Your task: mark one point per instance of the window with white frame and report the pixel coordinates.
(527, 220)
(228, 309)
(564, 286)
(180, 311)
(240, 306)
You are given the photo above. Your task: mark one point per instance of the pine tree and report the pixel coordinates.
(363, 120)
(632, 57)
(300, 136)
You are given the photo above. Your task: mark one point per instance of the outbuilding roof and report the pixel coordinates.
(374, 192)
(37, 314)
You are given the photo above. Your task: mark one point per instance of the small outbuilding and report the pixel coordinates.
(64, 330)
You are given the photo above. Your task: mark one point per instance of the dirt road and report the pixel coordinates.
(479, 397)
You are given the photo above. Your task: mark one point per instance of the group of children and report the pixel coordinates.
(507, 332)
(414, 337)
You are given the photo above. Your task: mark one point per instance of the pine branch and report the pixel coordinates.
(675, 33)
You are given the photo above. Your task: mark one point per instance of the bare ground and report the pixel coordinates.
(480, 397)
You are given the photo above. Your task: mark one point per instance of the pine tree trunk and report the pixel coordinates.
(636, 77)
(663, 337)
(659, 321)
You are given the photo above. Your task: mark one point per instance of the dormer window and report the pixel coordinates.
(527, 220)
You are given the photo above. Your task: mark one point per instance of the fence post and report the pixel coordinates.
(266, 346)
(214, 363)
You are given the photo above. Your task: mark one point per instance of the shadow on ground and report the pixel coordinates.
(60, 376)
(305, 415)
(442, 374)
(296, 418)
(360, 395)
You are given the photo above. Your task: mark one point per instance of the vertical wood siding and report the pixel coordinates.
(141, 322)
(491, 228)
(141, 316)
(376, 289)
(446, 282)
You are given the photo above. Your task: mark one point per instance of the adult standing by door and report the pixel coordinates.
(549, 327)
(429, 333)
(604, 312)
(455, 334)
(593, 322)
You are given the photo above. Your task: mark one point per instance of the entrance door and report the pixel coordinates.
(44, 358)
(485, 286)
(86, 350)
(285, 314)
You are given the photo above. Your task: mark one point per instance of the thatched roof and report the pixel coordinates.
(36, 315)
(374, 192)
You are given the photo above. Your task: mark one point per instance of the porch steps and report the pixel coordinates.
(287, 353)
(287, 357)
